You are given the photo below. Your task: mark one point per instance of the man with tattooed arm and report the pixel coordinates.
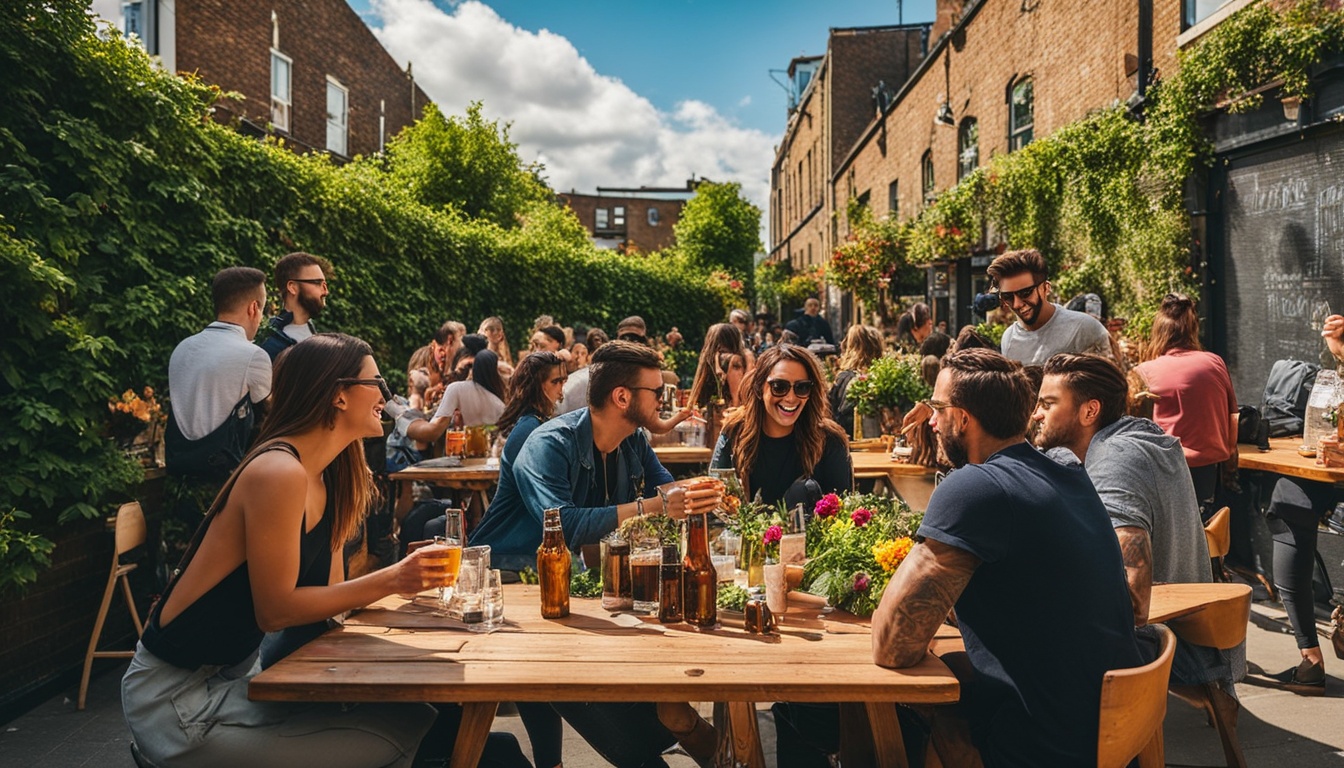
(1022, 547)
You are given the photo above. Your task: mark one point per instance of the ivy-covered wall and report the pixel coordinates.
(119, 200)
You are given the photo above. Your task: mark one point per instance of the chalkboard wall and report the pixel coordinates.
(1283, 230)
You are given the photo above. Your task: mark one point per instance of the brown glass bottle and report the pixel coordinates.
(553, 565)
(700, 580)
(669, 585)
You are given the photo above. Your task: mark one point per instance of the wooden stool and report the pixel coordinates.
(130, 533)
(1222, 625)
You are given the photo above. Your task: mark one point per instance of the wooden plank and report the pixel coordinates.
(1282, 458)
(1171, 601)
(477, 717)
(886, 730)
(746, 735)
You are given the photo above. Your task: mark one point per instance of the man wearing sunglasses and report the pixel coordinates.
(301, 280)
(1043, 328)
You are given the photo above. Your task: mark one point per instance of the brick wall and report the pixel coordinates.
(637, 232)
(228, 43)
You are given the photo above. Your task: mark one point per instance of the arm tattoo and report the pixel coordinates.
(917, 601)
(1136, 550)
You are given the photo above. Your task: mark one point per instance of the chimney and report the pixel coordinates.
(946, 15)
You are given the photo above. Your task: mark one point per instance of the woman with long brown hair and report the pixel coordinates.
(1196, 402)
(268, 557)
(863, 345)
(722, 366)
(492, 328)
(783, 433)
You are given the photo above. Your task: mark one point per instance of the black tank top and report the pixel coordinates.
(220, 628)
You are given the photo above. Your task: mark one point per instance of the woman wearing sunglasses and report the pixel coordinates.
(268, 556)
(783, 433)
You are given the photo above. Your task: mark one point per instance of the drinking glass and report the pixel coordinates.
(466, 603)
(452, 538)
(492, 603)
(646, 557)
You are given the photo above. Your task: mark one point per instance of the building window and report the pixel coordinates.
(280, 91)
(338, 117)
(1021, 108)
(968, 148)
(926, 173)
(893, 198)
(1196, 11)
(653, 217)
(618, 217)
(600, 219)
(133, 14)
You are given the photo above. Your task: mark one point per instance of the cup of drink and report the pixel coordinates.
(454, 443)
(492, 603)
(646, 557)
(466, 602)
(616, 595)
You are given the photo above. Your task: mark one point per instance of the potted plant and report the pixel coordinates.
(890, 386)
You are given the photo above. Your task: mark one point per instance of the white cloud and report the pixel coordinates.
(588, 129)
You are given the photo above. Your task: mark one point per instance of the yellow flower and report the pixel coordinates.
(890, 554)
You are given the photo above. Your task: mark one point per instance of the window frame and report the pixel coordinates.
(601, 219)
(1020, 135)
(344, 125)
(618, 217)
(963, 168)
(928, 181)
(278, 103)
(894, 198)
(654, 216)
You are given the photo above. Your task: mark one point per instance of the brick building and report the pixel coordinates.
(833, 99)
(310, 71)
(631, 218)
(997, 74)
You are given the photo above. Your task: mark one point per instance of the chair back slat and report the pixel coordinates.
(1218, 532)
(1133, 704)
(131, 531)
(1220, 623)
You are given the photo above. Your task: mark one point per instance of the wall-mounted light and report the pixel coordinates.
(1291, 105)
(944, 116)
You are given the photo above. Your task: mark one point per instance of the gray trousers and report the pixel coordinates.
(203, 718)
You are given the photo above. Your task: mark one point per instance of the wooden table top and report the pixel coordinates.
(1171, 601)
(1283, 458)
(399, 651)
(682, 454)
(471, 470)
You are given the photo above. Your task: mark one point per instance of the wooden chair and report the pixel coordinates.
(130, 533)
(1133, 705)
(1218, 534)
(1220, 624)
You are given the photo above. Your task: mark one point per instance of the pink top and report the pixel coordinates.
(1196, 403)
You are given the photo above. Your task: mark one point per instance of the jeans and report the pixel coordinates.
(625, 734)
(1294, 509)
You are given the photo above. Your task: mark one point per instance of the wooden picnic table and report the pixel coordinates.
(399, 651)
(1282, 458)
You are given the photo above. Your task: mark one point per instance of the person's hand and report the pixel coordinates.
(674, 501)
(1333, 332)
(703, 494)
(916, 416)
(426, 566)
(663, 426)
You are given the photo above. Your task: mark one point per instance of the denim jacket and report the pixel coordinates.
(554, 468)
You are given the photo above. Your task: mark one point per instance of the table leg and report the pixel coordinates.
(477, 717)
(886, 731)
(746, 737)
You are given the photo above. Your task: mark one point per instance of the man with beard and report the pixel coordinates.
(1007, 524)
(1043, 328)
(1142, 477)
(598, 468)
(301, 280)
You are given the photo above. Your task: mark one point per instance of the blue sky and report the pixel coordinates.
(718, 52)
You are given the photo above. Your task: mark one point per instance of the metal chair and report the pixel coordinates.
(1133, 705)
(130, 533)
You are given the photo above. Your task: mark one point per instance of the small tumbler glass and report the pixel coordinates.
(492, 603)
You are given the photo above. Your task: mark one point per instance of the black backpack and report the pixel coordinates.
(1284, 403)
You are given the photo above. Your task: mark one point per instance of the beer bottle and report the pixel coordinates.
(699, 578)
(553, 567)
(669, 585)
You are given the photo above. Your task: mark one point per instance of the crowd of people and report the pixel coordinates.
(1055, 484)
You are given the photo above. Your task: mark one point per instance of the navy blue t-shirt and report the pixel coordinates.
(1047, 612)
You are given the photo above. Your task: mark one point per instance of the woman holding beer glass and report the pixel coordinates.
(783, 433)
(268, 556)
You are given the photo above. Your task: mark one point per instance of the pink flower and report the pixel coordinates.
(773, 534)
(860, 582)
(861, 516)
(828, 506)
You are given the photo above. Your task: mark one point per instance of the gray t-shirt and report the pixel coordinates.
(478, 405)
(1141, 475)
(1066, 331)
(576, 392)
(210, 372)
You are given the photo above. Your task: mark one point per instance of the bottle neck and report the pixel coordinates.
(697, 534)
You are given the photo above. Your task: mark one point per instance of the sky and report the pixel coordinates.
(624, 94)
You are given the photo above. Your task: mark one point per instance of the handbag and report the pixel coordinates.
(1337, 631)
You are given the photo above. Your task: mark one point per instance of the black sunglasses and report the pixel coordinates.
(309, 280)
(781, 387)
(376, 381)
(1023, 294)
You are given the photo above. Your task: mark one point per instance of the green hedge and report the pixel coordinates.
(119, 200)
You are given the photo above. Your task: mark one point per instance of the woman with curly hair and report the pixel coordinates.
(783, 433)
(722, 366)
